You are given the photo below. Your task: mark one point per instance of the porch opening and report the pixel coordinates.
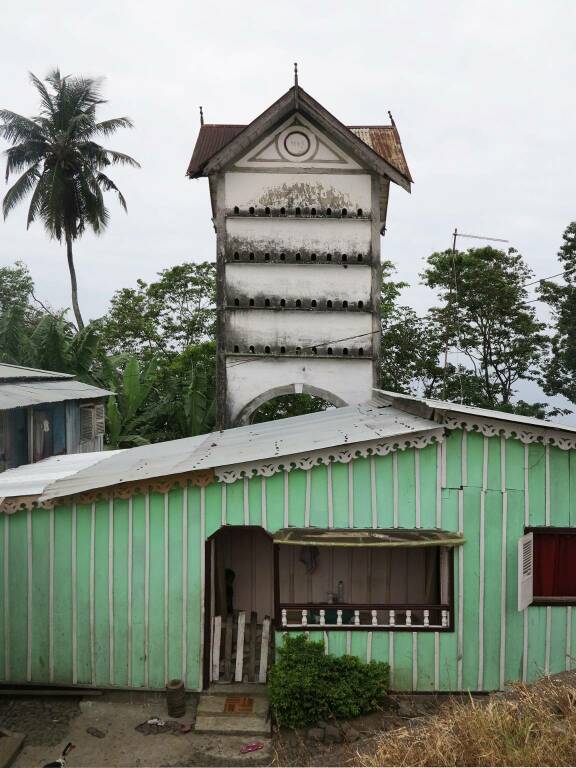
(241, 603)
(353, 579)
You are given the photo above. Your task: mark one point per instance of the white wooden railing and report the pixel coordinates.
(431, 617)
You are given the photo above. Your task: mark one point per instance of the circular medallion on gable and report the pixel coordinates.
(297, 144)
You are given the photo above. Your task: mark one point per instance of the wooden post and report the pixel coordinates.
(264, 650)
(228, 647)
(216, 633)
(240, 647)
(253, 631)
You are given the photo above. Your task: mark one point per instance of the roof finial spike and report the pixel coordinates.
(296, 73)
(391, 118)
(201, 116)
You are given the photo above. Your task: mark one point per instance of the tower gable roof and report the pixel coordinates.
(376, 147)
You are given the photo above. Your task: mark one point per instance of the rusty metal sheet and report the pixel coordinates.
(210, 140)
(384, 140)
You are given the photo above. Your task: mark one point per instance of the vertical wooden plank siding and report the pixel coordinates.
(101, 608)
(274, 501)
(175, 533)
(428, 471)
(120, 592)
(62, 611)
(4, 598)
(126, 603)
(195, 579)
(156, 675)
(447, 664)
(255, 501)
(40, 598)
(319, 497)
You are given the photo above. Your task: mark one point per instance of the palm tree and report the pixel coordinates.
(62, 163)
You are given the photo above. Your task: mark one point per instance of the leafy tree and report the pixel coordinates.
(560, 374)
(409, 353)
(16, 287)
(185, 386)
(167, 315)
(60, 163)
(484, 317)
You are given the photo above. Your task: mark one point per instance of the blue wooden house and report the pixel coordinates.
(46, 413)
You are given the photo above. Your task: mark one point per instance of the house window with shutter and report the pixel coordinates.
(92, 421)
(547, 571)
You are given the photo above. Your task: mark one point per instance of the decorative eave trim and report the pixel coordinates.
(199, 478)
(339, 455)
(525, 433)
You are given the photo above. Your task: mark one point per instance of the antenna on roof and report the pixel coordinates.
(201, 116)
(391, 118)
(295, 73)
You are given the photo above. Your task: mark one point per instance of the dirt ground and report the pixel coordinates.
(50, 722)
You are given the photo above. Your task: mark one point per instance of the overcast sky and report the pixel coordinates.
(482, 93)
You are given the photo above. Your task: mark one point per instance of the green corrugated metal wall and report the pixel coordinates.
(111, 594)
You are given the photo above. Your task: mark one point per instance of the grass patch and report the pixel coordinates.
(532, 725)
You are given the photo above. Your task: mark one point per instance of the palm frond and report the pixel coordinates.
(119, 158)
(108, 185)
(15, 127)
(108, 127)
(45, 98)
(23, 155)
(38, 199)
(20, 189)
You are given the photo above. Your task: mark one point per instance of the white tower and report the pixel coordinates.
(299, 203)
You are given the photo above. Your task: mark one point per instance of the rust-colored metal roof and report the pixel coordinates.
(210, 140)
(384, 140)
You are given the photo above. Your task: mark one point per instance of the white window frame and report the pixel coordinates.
(525, 571)
(96, 413)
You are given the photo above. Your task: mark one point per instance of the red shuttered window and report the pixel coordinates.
(554, 566)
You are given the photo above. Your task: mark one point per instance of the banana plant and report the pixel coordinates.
(128, 411)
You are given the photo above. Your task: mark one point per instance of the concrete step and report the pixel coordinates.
(233, 712)
(213, 705)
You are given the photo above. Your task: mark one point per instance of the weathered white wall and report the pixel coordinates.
(323, 152)
(349, 380)
(299, 281)
(312, 172)
(293, 327)
(351, 191)
(316, 235)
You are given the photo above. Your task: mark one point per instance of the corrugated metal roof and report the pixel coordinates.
(31, 479)
(445, 405)
(25, 393)
(9, 372)
(211, 139)
(336, 427)
(385, 141)
(382, 139)
(381, 418)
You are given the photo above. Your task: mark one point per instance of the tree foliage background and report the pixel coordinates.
(155, 346)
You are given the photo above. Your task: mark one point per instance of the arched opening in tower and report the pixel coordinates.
(284, 406)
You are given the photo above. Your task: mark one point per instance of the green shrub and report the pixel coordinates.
(306, 685)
